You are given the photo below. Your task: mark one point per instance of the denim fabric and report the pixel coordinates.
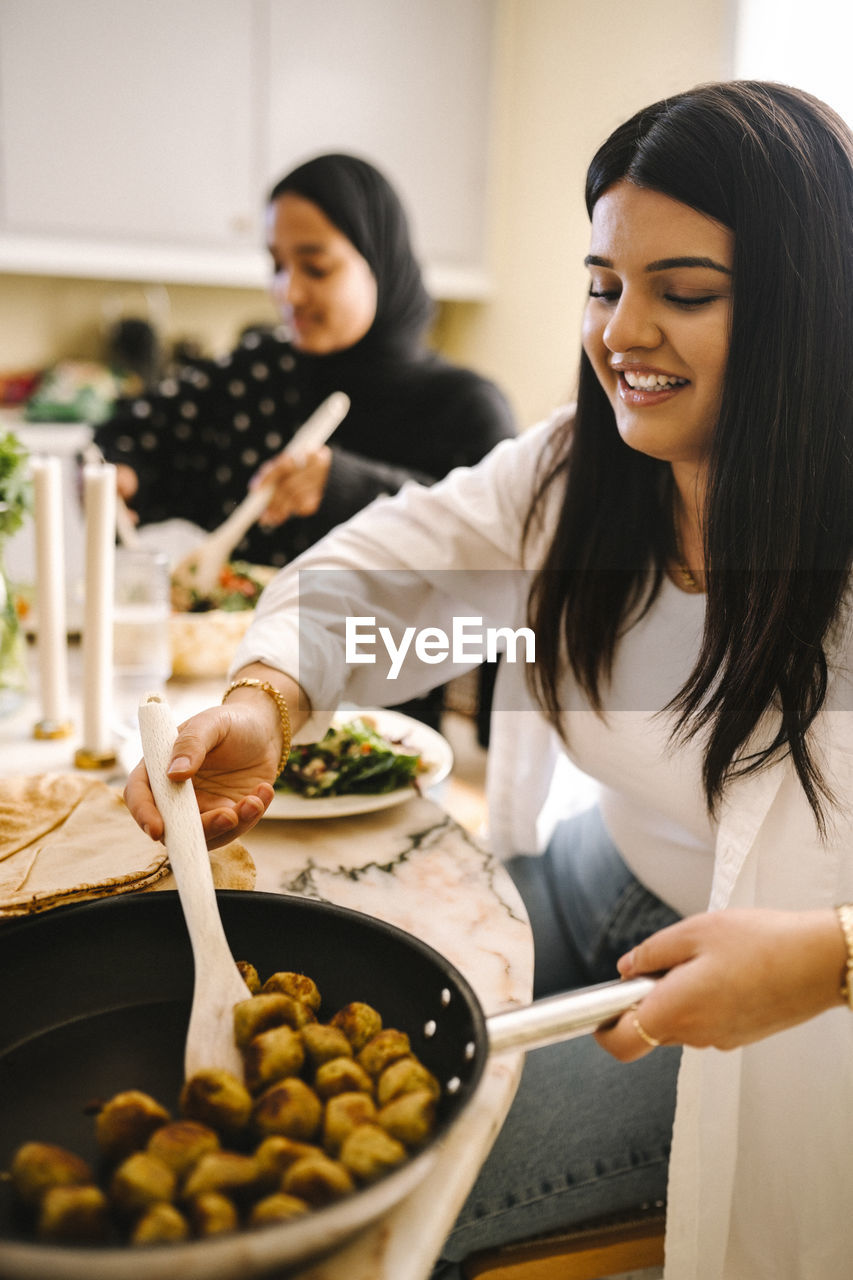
(586, 1135)
(586, 908)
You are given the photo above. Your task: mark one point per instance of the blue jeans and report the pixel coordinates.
(586, 1136)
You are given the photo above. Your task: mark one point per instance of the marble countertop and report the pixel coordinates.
(416, 868)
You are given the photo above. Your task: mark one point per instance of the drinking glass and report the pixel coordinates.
(142, 656)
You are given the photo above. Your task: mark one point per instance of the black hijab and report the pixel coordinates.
(363, 205)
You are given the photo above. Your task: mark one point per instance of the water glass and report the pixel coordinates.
(142, 655)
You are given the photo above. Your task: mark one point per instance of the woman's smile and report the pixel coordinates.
(643, 386)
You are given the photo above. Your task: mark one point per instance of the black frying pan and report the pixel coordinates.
(95, 999)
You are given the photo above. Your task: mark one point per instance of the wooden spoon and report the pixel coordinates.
(199, 571)
(218, 985)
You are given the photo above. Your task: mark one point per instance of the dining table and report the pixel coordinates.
(411, 865)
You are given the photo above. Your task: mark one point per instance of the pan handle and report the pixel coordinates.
(564, 1016)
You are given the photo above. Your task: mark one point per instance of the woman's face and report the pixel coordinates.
(322, 285)
(656, 326)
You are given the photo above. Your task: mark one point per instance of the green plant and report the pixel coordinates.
(15, 504)
(15, 486)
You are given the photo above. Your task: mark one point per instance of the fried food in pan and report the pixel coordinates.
(289, 1107)
(73, 1214)
(406, 1075)
(212, 1214)
(217, 1098)
(278, 1207)
(161, 1224)
(229, 1172)
(343, 1114)
(323, 1042)
(341, 1075)
(383, 1049)
(276, 1154)
(140, 1181)
(410, 1118)
(273, 1055)
(126, 1122)
(261, 1012)
(318, 1180)
(297, 985)
(182, 1143)
(325, 1107)
(359, 1022)
(368, 1152)
(38, 1166)
(250, 976)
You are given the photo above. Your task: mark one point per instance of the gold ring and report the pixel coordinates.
(644, 1035)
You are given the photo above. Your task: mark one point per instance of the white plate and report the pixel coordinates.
(435, 751)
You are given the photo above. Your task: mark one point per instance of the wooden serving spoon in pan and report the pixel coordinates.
(218, 985)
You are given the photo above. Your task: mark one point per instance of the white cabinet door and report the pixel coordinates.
(406, 84)
(129, 119)
(137, 136)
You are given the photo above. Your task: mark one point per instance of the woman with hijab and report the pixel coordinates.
(354, 311)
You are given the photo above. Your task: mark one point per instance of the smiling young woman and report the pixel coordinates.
(714, 418)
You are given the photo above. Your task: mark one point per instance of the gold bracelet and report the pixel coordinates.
(283, 712)
(845, 919)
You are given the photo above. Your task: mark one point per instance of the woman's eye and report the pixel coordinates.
(610, 295)
(691, 302)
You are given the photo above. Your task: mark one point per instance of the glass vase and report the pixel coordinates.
(13, 651)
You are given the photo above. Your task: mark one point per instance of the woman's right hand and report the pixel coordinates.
(297, 484)
(231, 754)
(231, 759)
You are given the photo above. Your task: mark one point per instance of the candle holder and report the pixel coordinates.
(45, 729)
(85, 758)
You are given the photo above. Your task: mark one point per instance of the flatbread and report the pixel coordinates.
(32, 806)
(66, 837)
(233, 868)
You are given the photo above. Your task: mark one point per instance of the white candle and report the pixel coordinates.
(50, 593)
(99, 500)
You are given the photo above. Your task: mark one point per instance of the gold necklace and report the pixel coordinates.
(687, 577)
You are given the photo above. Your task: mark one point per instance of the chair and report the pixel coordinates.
(598, 1249)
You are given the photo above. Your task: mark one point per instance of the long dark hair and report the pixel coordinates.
(776, 166)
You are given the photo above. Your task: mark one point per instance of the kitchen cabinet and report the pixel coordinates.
(126, 129)
(136, 141)
(405, 84)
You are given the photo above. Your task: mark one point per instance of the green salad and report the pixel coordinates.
(352, 759)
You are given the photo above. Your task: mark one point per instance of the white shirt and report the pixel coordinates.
(761, 1171)
(651, 798)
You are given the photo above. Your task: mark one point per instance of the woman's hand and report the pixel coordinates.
(730, 978)
(232, 763)
(127, 481)
(231, 753)
(299, 484)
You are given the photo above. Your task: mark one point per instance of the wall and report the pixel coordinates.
(569, 71)
(43, 318)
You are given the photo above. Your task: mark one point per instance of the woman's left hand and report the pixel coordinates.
(298, 484)
(730, 978)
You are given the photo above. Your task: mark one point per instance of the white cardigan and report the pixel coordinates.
(761, 1172)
